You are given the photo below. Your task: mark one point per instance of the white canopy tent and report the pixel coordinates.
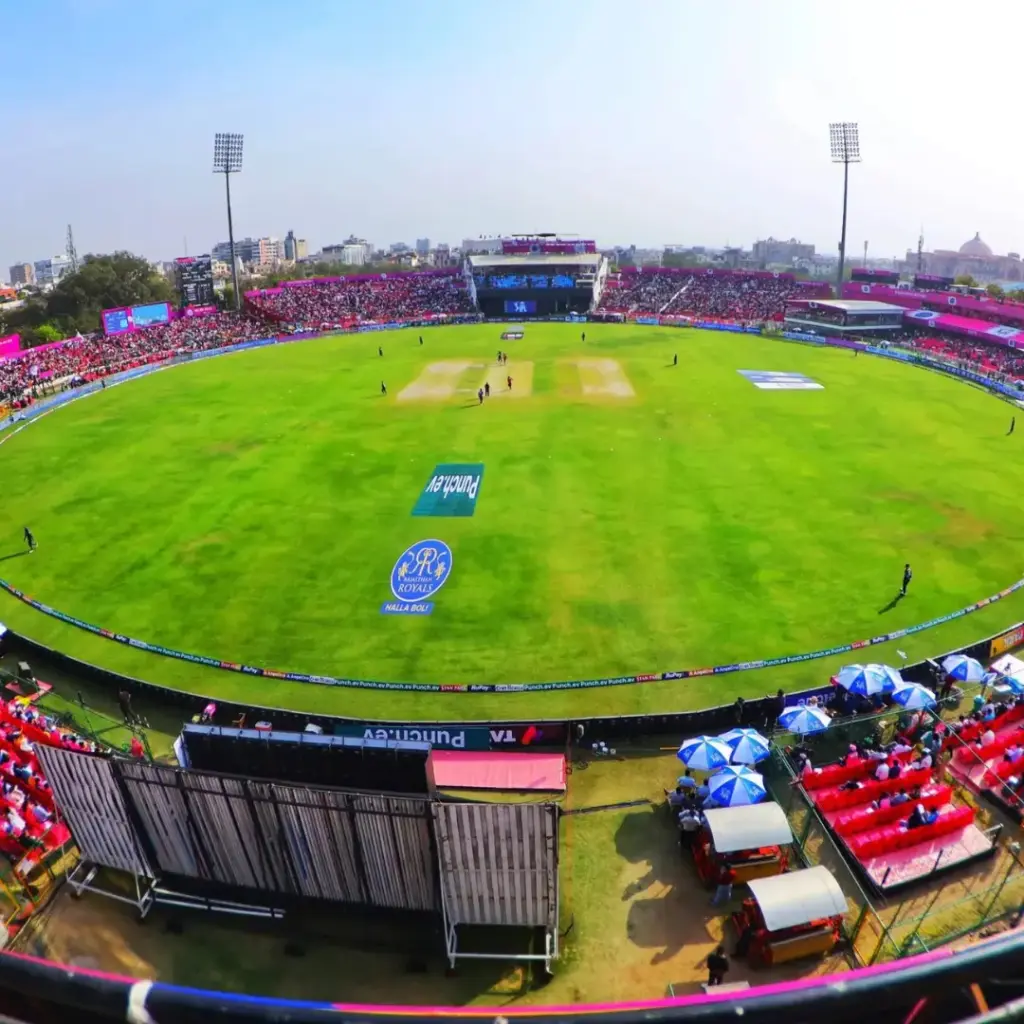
(797, 897)
(748, 827)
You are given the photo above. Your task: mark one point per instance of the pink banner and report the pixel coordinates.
(996, 334)
(951, 302)
(193, 311)
(10, 346)
(27, 353)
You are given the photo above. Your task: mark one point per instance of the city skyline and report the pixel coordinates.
(448, 130)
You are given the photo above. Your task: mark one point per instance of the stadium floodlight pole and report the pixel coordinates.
(227, 160)
(845, 138)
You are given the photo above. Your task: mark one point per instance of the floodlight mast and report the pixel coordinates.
(227, 160)
(845, 140)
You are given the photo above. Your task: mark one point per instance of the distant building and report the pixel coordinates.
(354, 255)
(271, 251)
(974, 257)
(259, 251)
(246, 249)
(295, 248)
(52, 270)
(23, 273)
(354, 251)
(481, 246)
(443, 255)
(290, 246)
(422, 246)
(774, 250)
(397, 248)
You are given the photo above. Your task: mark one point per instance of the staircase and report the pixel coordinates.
(680, 292)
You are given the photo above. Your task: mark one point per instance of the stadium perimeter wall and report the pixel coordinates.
(41, 992)
(496, 734)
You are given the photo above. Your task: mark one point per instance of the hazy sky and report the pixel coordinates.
(648, 122)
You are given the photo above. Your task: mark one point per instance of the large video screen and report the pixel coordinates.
(932, 281)
(151, 315)
(878, 276)
(117, 321)
(519, 306)
(195, 280)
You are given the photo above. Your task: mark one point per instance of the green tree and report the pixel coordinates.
(48, 332)
(104, 282)
(995, 291)
(966, 280)
(687, 258)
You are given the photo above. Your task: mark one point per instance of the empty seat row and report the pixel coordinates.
(1002, 770)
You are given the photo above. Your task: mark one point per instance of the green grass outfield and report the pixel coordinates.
(251, 508)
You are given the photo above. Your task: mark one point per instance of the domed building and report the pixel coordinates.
(974, 257)
(976, 247)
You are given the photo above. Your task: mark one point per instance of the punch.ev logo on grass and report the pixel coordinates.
(420, 572)
(772, 380)
(452, 490)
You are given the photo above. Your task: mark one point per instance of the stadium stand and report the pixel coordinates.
(993, 311)
(994, 360)
(896, 828)
(346, 302)
(707, 294)
(29, 829)
(62, 365)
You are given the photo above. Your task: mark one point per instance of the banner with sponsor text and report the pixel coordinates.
(575, 684)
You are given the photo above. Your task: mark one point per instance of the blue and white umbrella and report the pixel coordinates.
(963, 669)
(803, 719)
(864, 680)
(891, 675)
(914, 695)
(748, 746)
(705, 753)
(736, 788)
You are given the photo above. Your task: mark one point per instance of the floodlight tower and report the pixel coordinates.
(227, 160)
(845, 137)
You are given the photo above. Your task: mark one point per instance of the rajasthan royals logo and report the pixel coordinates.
(421, 571)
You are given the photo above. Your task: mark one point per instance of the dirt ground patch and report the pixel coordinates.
(604, 378)
(437, 382)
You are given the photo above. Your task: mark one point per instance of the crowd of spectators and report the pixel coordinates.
(639, 293)
(736, 296)
(969, 354)
(346, 302)
(27, 820)
(40, 371)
